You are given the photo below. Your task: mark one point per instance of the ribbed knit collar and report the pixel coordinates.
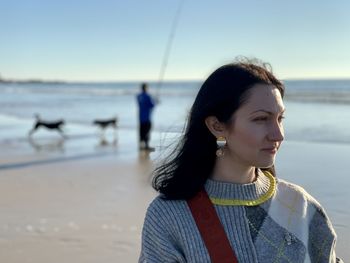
(259, 191)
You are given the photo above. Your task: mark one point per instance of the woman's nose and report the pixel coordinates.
(276, 133)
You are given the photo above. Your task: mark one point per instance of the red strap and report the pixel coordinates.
(211, 229)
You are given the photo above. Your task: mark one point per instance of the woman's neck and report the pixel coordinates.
(226, 170)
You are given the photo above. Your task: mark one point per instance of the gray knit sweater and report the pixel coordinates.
(268, 221)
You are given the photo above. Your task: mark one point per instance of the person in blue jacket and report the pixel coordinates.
(146, 105)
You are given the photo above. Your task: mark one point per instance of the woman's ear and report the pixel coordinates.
(215, 126)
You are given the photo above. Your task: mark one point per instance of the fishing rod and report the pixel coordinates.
(168, 48)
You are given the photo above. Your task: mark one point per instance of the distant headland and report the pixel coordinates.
(30, 81)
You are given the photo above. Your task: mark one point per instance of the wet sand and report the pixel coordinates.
(80, 201)
(73, 204)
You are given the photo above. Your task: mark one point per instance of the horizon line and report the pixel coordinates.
(38, 80)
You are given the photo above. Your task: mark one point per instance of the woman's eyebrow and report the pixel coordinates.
(268, 112)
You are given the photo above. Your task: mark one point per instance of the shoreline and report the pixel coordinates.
(85, 202)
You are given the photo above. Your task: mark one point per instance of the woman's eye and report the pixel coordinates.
(261, 119)
(280, 119)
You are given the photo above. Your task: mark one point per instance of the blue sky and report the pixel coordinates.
(105, 40)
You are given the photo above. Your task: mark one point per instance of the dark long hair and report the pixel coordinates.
(185, 171)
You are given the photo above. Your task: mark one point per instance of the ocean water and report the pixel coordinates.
(317, 128)
(317, 110)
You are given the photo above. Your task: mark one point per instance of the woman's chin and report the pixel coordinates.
(266, 163)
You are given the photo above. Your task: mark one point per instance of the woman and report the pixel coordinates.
(220, 200)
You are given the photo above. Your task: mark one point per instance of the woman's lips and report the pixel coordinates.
(272, 150)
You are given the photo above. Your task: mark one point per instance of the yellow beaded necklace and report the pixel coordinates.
(260, 200)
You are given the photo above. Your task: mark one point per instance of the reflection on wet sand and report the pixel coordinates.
(47, 145)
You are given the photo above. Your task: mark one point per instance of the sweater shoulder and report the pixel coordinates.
(161, 203)
(164, 210)
(309, 212)
(287, 189)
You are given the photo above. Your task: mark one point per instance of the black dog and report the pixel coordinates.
(103, 125)
(56, 125)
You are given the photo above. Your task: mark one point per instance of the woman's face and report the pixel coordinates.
(256, 132)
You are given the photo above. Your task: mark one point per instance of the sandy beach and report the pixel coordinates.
(74, 65)
(71, 205)
(79, 201)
